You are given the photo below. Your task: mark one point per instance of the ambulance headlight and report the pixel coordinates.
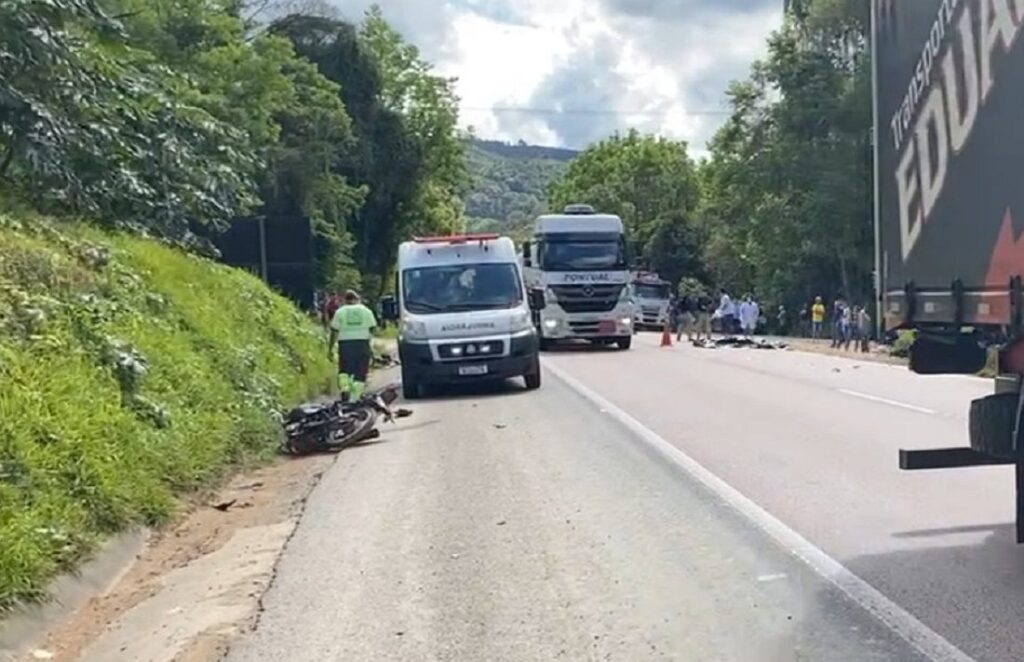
(520, 321)
(414, 330)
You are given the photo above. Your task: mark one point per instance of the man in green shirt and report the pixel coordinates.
(350, 329)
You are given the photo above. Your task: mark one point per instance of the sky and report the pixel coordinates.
(570, 72)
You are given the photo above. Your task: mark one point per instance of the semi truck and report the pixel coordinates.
(652, 297)
(578, 260)
(948, 90)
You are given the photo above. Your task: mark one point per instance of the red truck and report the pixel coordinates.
(949, 196)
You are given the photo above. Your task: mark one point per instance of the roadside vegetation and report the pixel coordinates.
(130, 372)
(133, 367)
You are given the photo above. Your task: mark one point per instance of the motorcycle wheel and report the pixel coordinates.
(357, 424)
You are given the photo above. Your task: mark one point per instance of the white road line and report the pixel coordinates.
(887, 401)
(917, 634)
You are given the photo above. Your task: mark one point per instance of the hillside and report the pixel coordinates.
(510, 183)
(131, 373)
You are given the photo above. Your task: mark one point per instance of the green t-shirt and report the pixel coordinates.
(353, 322)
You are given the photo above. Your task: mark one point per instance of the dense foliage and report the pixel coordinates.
(782, 206)
(788, 185)
(509, 184)
(653, 185)
(129, 371)
(176, 116)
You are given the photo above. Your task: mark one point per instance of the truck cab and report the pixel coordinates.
(652, 297)
(463, 313)
(578, 260)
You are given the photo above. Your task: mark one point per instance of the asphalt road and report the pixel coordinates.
(498, 524)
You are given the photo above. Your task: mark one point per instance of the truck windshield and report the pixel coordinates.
(582, 255)
(651, 291)
(461, 287)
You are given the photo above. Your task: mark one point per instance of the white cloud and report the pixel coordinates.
(574, 71)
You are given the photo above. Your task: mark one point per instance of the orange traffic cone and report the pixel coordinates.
(666, 336)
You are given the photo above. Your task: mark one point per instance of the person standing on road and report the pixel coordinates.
(727, 313)
(749, 314)
(702, 312)
(331, 303)
(350, 329)
(684, 314)
(781, 321)
(847, 327)
(864, 324)
(817, 317)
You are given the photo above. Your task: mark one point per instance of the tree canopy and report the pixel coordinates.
(653, 185)
(175, 116)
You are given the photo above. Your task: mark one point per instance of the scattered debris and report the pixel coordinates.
(502, 523)
(403, 413)
(500, 426)
(836, 370)
(740, 341)
(252, 486)
(455, 556)
(40, 654)
(223, 506)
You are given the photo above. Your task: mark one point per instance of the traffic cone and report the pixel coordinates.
(666, 336)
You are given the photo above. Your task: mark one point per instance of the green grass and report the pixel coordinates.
(130, 373)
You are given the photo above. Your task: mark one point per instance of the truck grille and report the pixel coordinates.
(587, 298)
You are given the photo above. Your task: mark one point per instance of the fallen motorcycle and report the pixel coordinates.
(318, 427)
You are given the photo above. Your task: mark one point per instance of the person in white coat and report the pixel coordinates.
(750, 312)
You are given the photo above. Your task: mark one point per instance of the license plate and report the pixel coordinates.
(606, 326)
(471, 370)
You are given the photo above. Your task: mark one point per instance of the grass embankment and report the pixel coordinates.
(130, 372)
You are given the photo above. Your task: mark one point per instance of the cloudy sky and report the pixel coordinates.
(568, 72)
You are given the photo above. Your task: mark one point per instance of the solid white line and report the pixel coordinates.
(887, 401)
(917, 634)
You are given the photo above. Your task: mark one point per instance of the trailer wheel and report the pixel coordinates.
(991, 422)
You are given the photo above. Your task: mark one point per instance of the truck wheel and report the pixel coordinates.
(532, 378)
(625, 342)
(991, 423)
(412, 388)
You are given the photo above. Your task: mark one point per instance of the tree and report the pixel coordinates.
(407, 154)
(651, 183)
(787, 188)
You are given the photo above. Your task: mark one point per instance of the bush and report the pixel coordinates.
(902, 343)
(129, 373)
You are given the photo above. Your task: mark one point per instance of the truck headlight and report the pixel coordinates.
(414, 330)
(627, 321)
(551, 324)
(520, 321)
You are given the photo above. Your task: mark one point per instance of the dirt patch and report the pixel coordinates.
(199, 582)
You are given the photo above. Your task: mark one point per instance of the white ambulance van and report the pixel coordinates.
(463, 313)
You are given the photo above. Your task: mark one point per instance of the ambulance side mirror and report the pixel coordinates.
(537, 300)
(389, 309)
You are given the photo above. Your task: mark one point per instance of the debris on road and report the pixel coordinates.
(740, 341)
(223, 506)
(500, 426)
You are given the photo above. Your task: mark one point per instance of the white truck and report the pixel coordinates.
(463, 312)
(652, 297)
(578, 260)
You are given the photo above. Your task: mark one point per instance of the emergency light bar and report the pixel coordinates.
(455, 239)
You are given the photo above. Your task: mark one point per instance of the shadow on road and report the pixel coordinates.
(473, 390)
(970, 593)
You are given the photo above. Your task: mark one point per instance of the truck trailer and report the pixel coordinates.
(949, 198)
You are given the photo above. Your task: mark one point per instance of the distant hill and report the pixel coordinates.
(510, 184)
